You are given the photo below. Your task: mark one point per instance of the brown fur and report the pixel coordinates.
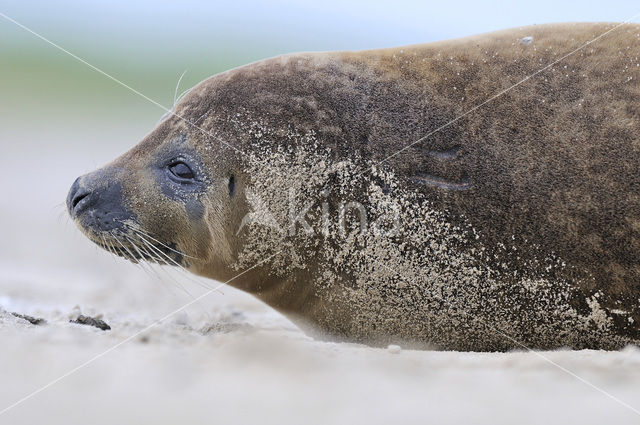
(547, 175)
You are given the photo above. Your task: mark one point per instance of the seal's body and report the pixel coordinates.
(477, 194)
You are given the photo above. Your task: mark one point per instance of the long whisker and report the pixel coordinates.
(149, 271)
(133, 257)
(140, 231)
(113, 247)
(180, 266)
(140, 263)
(139, 247)
(135, 247)
(106, 245)
(57, 206)
(175, 92)
(150, 245)
(62, 214)
(145, 248)
(161, 261)
(151, 253)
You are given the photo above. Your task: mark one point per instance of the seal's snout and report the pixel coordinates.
(95, 201)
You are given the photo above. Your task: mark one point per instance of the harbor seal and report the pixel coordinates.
(481, 193)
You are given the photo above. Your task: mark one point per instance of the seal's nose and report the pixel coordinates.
(95, 201)
(78, 198)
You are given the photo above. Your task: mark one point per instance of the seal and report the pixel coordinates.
(473, 194)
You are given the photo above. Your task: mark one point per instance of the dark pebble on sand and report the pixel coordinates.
(90, 321)
(33, 320)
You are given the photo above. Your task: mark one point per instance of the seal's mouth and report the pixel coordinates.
(136, 245)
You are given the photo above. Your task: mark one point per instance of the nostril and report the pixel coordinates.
(77, 198)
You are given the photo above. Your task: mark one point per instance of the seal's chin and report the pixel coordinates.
(122, 245)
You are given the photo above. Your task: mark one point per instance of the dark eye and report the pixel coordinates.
(182, 171)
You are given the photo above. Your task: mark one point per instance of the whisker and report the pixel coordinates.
(61, 208)
(180, 266)
(133, 257)
(148, 245)
(161, 261)
(152, 254)
(133, 245)
(149, 271)
(140, 231)
(175, 92)
(63, 216)
(113, 247)
(145, 249)
(159, 251)
(106, 245)
(183, 94)
(137, 246)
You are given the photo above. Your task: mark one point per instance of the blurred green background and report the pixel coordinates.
(149, 44)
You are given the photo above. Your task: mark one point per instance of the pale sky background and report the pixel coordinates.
(280, 26)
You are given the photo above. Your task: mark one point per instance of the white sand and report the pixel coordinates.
(228, 358)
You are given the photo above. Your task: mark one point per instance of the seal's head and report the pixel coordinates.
(164, 201)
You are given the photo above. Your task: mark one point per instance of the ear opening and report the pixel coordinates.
(232, 185)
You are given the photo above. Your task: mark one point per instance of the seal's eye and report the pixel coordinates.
(181, 171)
